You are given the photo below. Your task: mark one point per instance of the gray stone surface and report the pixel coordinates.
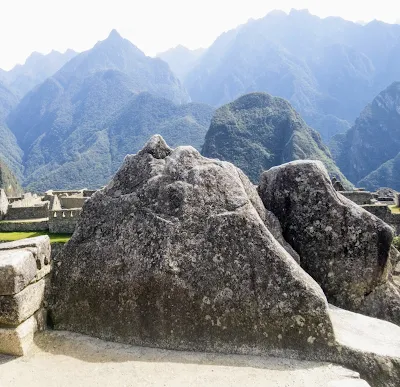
(39, 246)
(343, 247)
(69, 202)
(17, 270)
(17, 308)
(174, 253)
(359, 197)
(17, 341)
(63, 221)
(25, 225)
(38, 211)
(3, 204)
(368, 345)
(383, 212)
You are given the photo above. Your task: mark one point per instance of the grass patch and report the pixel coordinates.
(396, 242)
(14, 236)
(395, 210)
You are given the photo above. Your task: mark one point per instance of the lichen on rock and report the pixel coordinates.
(175, 252)
(342, 246)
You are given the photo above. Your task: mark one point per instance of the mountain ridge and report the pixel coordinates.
(329, 69)
(258, 131)
(373, 141)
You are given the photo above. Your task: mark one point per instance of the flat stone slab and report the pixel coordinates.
(65, 359)
(17, 308)
(39, 246)
(365, 334)
(17, 270)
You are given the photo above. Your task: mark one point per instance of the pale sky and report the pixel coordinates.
(152, 25)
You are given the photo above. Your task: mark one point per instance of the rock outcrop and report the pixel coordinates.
(179, 252)
(343, 247)
(174, 253)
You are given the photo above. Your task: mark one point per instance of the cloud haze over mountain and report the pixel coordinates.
(154, 25)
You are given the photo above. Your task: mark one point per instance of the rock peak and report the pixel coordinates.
(114, 35)
(157, 147)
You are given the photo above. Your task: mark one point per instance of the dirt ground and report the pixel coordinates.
(61, 359)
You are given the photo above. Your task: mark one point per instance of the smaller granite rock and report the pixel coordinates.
(342, 246)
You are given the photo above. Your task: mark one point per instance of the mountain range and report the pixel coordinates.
(181, 60)
(75, 128)
(328, 69)
(68, 120)
(369, 153)
(37, 67)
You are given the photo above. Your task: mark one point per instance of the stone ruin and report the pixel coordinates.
(56, 211)
(378, 203)
(24, 273)
(182, 252)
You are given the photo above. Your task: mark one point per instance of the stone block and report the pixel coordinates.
(39, 246)
(17, 308)
(17, 341)
(17, 270)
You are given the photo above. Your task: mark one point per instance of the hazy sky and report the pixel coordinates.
(152, 25)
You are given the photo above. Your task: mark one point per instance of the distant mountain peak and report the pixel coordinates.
(114, 35)
(295, 11)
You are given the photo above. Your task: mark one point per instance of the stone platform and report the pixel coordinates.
(66, 359)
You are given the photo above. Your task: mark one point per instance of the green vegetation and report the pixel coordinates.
(8, 181)
(76, 127)
(258, 131)
(328, 69)
(14, 236)
(10, 152)
(396, 242)
(395, 210)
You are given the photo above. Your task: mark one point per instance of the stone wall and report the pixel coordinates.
(21, 226)
(63, 221)
(72, 202)
(66, 192)
(383, 212)
(359, 197)
(87, 193)
(24, 269)
(38, 211)
(3, 204)
(27, 200)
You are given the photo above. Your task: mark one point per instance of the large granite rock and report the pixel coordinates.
(343, 247)
(174, 253)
